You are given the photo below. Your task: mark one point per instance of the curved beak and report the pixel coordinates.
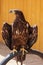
(14, 11)
(11, 11)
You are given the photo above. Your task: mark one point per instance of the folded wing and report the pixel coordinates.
(33, 36)
(7, 34)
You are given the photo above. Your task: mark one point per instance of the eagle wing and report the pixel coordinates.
(33, 36)
(7, 34)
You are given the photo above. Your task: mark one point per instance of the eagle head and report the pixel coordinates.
(18, 13)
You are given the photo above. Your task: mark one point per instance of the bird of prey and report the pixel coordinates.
(19, 36)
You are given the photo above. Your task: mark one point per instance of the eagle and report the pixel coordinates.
(20, 35)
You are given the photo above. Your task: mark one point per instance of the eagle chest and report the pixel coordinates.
(20, 33)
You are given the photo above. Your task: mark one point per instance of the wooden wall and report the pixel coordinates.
(33, 11)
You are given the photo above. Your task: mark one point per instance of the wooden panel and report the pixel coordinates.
(33, 11)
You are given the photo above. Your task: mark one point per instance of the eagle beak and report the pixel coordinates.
(12, 11)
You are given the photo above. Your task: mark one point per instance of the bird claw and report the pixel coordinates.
(23, 51)
(14, 51)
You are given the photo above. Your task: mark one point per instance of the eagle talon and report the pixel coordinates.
(23, 50)
(14, 50)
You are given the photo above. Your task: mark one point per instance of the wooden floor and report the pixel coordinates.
(33, 58)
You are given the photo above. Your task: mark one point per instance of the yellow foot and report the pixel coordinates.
(14, 50)
(23, 50)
